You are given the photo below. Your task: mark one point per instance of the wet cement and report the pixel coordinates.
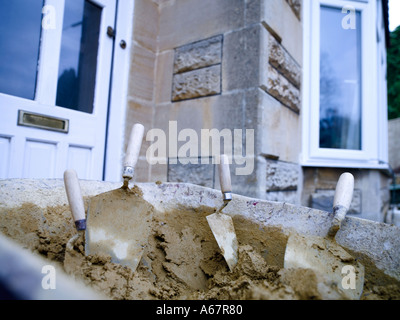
(181, 259)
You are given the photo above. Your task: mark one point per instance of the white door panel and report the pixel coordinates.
(80, 158)
(39, 159)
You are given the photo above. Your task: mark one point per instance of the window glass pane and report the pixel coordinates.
(340, 79)
(78, 57)
(20, 26)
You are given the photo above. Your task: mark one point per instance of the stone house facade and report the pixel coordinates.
(243, 64)
(294, 91)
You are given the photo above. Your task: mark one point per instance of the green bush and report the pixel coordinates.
(393, 74)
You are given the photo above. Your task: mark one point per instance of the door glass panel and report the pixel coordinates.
(340, 80)
(78, 57)
(20, 27)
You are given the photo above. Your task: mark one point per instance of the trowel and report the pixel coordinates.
(342, 274)
(118, 221)
(221, 224)
(76, 205)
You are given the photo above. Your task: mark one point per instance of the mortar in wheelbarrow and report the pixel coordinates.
(182, 259)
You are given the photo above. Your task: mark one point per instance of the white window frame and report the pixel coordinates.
(312, 155)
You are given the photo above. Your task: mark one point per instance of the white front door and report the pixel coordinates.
(55, 68)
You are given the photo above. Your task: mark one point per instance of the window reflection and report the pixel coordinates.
(78, 57)
(20, 28)
(340, 81)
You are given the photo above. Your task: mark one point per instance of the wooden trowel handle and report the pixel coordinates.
(225, 177)
(75, 199)
(133, 150)
(344, 191)
(342, 201)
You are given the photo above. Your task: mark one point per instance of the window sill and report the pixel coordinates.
(337, 163)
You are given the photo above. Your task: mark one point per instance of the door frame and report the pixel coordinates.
(115, 131)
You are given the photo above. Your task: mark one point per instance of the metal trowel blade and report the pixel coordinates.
(328, 259)
(118, 225)
(224, 232)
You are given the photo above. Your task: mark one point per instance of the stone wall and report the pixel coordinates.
(280, 96)
(197, 69)
(282, 181)
(226, 64)
(371, 195)
(141, 91)
(281, 74)
(229, 65)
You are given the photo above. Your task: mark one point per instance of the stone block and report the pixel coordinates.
(385, 200)
(278, 127)
(198, 55)
(141, 75)
(163, 78)
(142, 170)
(280, 88)
(227, 111)
(188, 21)
(253, 116)
(281, 60)
(241, 59)
(280, 74)
(323, 200)
(145, 24)
(370, 182)
(278, 17)
(197, 83)
(161, 116)
(195, 173)
(193, 114)
(282, 176)
(282, 196)
(138, 112)
(158, 172)
(217, 112)
(252, 12)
